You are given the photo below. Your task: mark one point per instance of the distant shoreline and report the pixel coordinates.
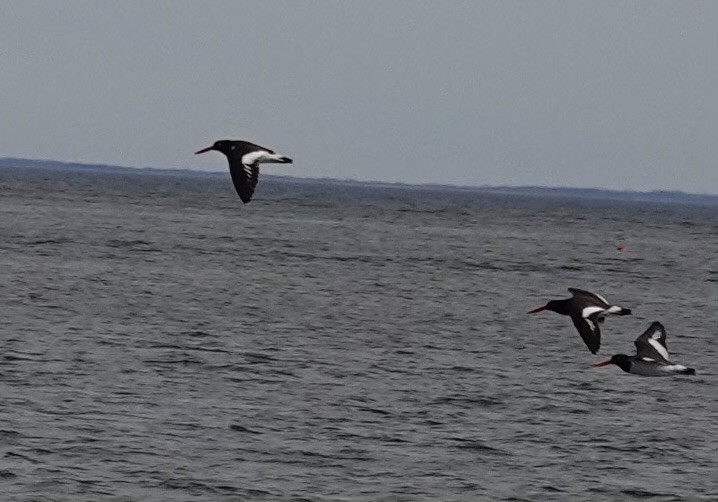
(665, 196)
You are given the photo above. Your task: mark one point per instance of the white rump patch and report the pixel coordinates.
(250, 158)
(657, 345)
(589, 311)
(613, 309)
(260, 156)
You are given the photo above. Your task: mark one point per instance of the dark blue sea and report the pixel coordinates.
(344, 342)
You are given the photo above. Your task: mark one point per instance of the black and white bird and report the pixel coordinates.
(244, 159)
(586, 310)
(651, 357)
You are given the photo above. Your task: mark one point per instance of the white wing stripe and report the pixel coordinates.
(602, 298)
(659, 348)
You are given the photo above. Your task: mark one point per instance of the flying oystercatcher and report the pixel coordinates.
(651, 357)
(244, 159)
(586, 310)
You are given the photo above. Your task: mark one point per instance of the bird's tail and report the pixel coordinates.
(616, 310)
(274, 158)
(687, 371)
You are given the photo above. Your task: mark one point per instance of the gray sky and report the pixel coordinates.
(611, 94)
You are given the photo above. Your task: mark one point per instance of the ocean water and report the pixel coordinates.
(163, 342)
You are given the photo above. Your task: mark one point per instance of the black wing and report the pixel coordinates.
(244, 177)
(242, 147)
(595, 299)
(652, 343)
(589, 331)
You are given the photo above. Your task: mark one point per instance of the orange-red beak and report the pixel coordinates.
(204, 150)
(540, 309)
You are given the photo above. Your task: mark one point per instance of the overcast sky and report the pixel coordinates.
(611, 94)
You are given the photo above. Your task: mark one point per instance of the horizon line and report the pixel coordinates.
(358, 181)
